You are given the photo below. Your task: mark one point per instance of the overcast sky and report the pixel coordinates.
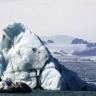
(75, 18)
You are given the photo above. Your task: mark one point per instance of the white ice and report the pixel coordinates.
(24, 58)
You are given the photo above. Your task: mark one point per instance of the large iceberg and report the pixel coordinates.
(23, 57)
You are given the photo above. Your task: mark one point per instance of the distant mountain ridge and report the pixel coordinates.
(79, 41)
(69, 44)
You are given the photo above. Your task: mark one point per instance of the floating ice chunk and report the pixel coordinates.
(24, 58)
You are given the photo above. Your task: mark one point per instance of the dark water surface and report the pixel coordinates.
(52, 93)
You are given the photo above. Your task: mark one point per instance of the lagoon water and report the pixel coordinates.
(52, 93)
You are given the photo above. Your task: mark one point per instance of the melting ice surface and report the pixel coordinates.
(23, 57)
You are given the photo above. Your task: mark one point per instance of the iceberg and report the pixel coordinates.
(24, 58)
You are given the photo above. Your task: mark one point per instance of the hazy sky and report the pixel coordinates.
(75, 18)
